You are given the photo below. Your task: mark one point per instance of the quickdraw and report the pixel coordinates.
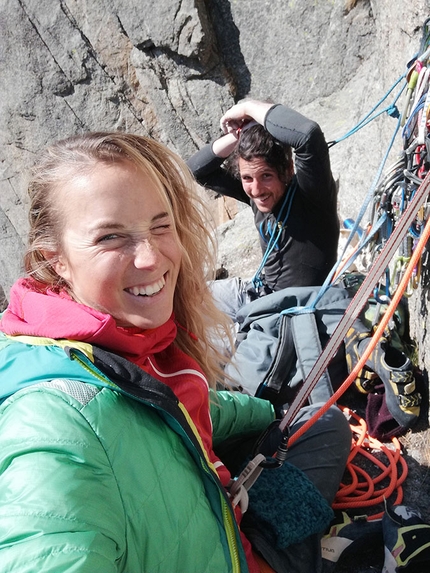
(399, 185)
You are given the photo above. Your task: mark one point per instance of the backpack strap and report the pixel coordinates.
(283, 359)
(308, 349)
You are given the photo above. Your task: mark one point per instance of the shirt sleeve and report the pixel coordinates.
(208, 171)
(311, 153)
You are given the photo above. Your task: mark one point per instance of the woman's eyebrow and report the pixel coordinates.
(162, 215)
(110, 224)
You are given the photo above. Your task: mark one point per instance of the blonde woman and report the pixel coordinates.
(109, 374)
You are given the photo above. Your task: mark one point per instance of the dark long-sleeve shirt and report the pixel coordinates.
(307, 246)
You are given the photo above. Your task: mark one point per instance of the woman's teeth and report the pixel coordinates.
(147, 290)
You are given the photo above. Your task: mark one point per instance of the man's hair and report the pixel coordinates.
(256, 142)
(199, 320)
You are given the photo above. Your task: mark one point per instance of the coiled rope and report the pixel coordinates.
(362, 489)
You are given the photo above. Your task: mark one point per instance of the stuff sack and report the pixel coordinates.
(276, 350)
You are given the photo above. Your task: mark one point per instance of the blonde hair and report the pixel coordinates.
(200, 322)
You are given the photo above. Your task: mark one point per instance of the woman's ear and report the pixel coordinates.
(57, 262)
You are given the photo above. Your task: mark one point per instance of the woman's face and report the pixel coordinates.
(120, 254)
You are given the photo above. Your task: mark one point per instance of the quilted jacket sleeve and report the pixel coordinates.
(235, 414)
(55, 479)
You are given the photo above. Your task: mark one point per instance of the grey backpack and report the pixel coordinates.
(278, 343)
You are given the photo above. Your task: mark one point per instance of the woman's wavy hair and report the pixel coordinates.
(256, 142)
(199, 321)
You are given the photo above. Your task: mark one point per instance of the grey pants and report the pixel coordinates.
(230, 294)
(321, 453)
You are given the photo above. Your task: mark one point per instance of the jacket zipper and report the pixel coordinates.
(231, 535)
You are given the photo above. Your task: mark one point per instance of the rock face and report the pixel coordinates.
(170, 68)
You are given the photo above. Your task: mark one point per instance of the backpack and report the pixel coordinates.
(276, 349)
(281, 335)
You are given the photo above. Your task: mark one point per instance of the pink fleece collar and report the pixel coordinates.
(49, 314)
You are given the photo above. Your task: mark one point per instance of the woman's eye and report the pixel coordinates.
(107, 238)
(161, 228)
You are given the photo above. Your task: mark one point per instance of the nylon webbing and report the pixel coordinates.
(358, 301)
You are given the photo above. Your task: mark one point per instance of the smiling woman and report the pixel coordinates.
(111, 398)
(115, 274)
(92, 236)
(118, 256)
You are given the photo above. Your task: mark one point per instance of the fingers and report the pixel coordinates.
(234, 119)
(242, 113)
(230, 123)
(231, 126)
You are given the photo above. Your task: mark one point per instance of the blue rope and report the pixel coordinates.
(392, 111)
(327, 283)
(363, 209)
(367, 238)
(279, 227)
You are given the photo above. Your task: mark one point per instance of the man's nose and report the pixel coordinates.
(256, 188)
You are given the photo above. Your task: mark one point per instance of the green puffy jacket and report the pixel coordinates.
(93, 480)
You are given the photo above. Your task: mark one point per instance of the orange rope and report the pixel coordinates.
(351, 496)
(362, 491)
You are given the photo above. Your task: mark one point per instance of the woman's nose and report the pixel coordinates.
(146, 254)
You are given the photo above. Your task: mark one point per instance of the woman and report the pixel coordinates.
(106, 454)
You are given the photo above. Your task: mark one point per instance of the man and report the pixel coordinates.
(294, 201)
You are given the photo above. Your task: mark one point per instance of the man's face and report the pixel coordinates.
(261, 183)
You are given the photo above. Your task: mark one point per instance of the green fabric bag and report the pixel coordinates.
(286, 507)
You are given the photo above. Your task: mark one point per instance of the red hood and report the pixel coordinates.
(48, 314)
